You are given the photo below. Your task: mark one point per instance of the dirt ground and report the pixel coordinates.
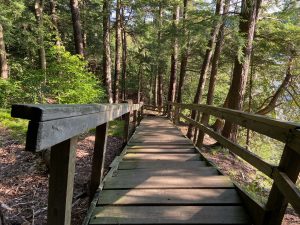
(24, 181)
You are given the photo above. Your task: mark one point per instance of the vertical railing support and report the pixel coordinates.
(277, 204)
(126, 128)
(176, 115)
(98, 158)
(134, 121)
(61, 182)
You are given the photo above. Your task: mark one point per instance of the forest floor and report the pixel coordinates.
(24, 179)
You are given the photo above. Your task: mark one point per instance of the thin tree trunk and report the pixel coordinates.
(285, 83)
(54, 20)
(160, 62)
(174, 58)
(155, 91)
(214, 71)
(124, 56)
(250, 100)
(106, 50)
(118, 44)
(206, 62)
(249, 15)
(3, 56)
(77, 30)
(39, 7)
(185, 52)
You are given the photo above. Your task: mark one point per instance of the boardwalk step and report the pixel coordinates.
(160, 150)
(178, 181)
(166, 157)
(169, 215)
(202, 171)
(192, 165)
(171, 146)
(169, 197)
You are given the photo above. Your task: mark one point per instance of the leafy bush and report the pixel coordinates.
(9, 93)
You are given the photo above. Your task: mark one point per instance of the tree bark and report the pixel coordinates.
(174, 57)
(206, 62)
(3, 56)
(185, 52)
(106, 50)
(54, 20)
(273, 102)
(214, 71)
(248, 19)
(124, 56)
(160, 61)
(118, 44)
(77, 30)
(39, 8)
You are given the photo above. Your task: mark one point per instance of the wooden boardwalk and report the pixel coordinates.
(162, 179)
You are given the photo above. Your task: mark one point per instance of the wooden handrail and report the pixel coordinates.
(285, 132)
(52, 124)
(284, 175)
(57, 127)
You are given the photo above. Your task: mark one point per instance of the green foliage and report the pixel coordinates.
(116, 128)
(68, 81)
(16, 127)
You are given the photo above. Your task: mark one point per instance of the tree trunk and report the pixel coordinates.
(160, 62)
(185, 52)
(39, 7)
(155, 90)
(206, 62)
(106, 50)
(273, 102)
(248, 19)
(54, 20)
(124, 56)
(77, 30)
(174, 58)
(214, 71)
(118, 44)
(3, 56)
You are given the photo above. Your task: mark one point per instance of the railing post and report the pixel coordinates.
(140, 114)
(176, 115)
(98, 158)
(276, 205)
(134, 121)
(61, 182)
(126, 128)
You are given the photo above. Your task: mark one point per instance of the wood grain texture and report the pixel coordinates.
(165, 157)
(178, 181)
(170, 215)
(169, 197)
(161, 165)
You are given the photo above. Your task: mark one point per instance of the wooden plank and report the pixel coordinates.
(166, 157)
(170, 215)
(286, 132)
(277, 204)
(143, 146)
(161, 165)
(245, 154)
(61, 182)
(47, 112)
(170, 197)
(98, 158)
(160, 151)
(42, 135)
(288, 189)
(202, 171)
(168, 182)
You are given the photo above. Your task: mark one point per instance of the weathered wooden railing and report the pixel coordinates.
(285, 174)
(160, 110)
(57, 127)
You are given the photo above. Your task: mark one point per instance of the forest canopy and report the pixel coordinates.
(238, 54)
